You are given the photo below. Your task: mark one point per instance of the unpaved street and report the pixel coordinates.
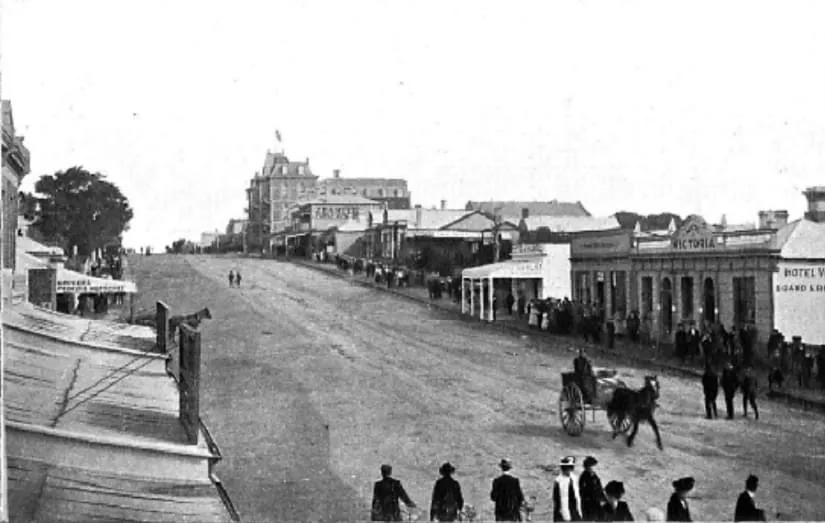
(310, 384)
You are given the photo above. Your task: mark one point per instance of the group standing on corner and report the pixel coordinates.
(234, 278)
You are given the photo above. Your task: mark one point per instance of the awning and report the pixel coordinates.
(507, 269)
(71, 281)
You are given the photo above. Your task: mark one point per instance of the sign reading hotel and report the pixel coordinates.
(799, 299)
(694, 236)
(800, 279)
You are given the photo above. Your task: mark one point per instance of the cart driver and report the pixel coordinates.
(586, 376)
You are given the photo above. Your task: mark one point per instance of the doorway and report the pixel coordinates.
(709, 301)
(667, 305)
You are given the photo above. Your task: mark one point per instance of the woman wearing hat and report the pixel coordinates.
(614, 509)
(677, 507)
(447, 499)
(590, 488)
(566, 499)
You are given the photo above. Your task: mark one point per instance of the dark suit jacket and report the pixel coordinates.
(385, 496)
(447, 500)
(710, 384)
(621, 513)
(746, 509)
(507, 496)
(675, 510)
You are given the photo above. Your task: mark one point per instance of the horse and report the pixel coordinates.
(639, 405)
(193, 320)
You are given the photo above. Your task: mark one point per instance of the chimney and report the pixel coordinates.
(816, 204)
(525, 213)
(443, 204)
(336, 173)
(418, 212)
(773, 219)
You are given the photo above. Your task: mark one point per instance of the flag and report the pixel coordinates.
(278, 135)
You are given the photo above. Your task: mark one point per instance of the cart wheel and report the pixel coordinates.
(620, 426)
(571, 410)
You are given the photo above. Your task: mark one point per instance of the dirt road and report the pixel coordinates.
(310, 384)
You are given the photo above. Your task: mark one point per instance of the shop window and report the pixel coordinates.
(666, 301)
(618, 294)
(687, 297)
(744, 300)
(647, 296)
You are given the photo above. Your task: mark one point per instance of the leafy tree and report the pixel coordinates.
(177, 245)
(81, 208)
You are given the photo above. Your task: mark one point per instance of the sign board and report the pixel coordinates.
(43, 288)
(189, 380)
(799, 299)
(528, 249)
(335, 212)
(693, 236)
(604, 245)
(526, 268)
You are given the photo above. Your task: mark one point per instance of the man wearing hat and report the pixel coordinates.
(730, 382)
(677, 507)
(507, 494)
(385, 497)
(614, 509)
(447, 499)
(566, 499)
(745, 506)
(590, 488)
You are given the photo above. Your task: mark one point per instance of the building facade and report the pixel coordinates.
(15, 167)
(392, 191)
(312, 223)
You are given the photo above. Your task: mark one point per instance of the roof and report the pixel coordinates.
(279, 160)
(338, 199)
(505, 269)
(512, 209)
(572, 223)
(72, 281)
(430, 218)
(365, 181)
(73, 494)
(352, 226)
(801, 239)
(28, 245)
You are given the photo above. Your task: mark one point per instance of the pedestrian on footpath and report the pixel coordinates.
(710, 386)
(614, 509)
(385, 496)
(677, 507)
(590, 488)
(730, 382)
(749, 387)
(746, 505)
(510, 301)
(231, 278)
(507, 494)
(567, 505)
(237, 278)
(447, 500)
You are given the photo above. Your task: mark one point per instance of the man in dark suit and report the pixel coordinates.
(745, 506)
(694, 338)
(447, 498)
(710, 386)
(730, 382)
(681, 342)
(614, 509)
(749, 393)
(385, 496)
(507, 494)
(677, 507)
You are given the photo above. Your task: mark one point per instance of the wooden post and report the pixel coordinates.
(492, 298)
(463, 291)
(131, 307)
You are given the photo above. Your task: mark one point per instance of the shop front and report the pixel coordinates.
(601, 272)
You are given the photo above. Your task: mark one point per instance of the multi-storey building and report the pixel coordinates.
(271, 192)
(392, 191)
(15, 167)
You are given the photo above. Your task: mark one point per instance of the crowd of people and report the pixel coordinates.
(574, 498)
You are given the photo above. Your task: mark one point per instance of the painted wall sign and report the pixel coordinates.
(328, 212)
(693, 236)
(528, 249)
(799, 299)
(594, 245)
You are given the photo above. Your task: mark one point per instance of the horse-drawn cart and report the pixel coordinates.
(577, 398)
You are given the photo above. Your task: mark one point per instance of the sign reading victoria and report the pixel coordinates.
(694, 236)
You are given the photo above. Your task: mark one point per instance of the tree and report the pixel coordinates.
(81, 208)
(177, 245)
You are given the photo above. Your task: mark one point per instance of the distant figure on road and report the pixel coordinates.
(447, 499)
(749, 393)
(385, 496)
(730, 382)
(237, 278)
(746, 506)
(231, 278)
(507, 494)
(710, 386)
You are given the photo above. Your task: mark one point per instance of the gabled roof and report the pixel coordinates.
(512, 209)
(801, 239)
(572, 223)
(431, 219)
(274, 162)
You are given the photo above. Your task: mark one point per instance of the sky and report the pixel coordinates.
(702, 107)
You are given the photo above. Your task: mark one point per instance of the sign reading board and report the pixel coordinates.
(189, 380)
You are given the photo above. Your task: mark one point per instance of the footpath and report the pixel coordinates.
(623, 351)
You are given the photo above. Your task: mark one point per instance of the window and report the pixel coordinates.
(687, 297)
(666, 301)
(581, 287)
(618, 293)
(647, 296)
(380, 192)
(364, 192)
(744, 300)
(300, 169)
(283, 169)
(395, 193)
